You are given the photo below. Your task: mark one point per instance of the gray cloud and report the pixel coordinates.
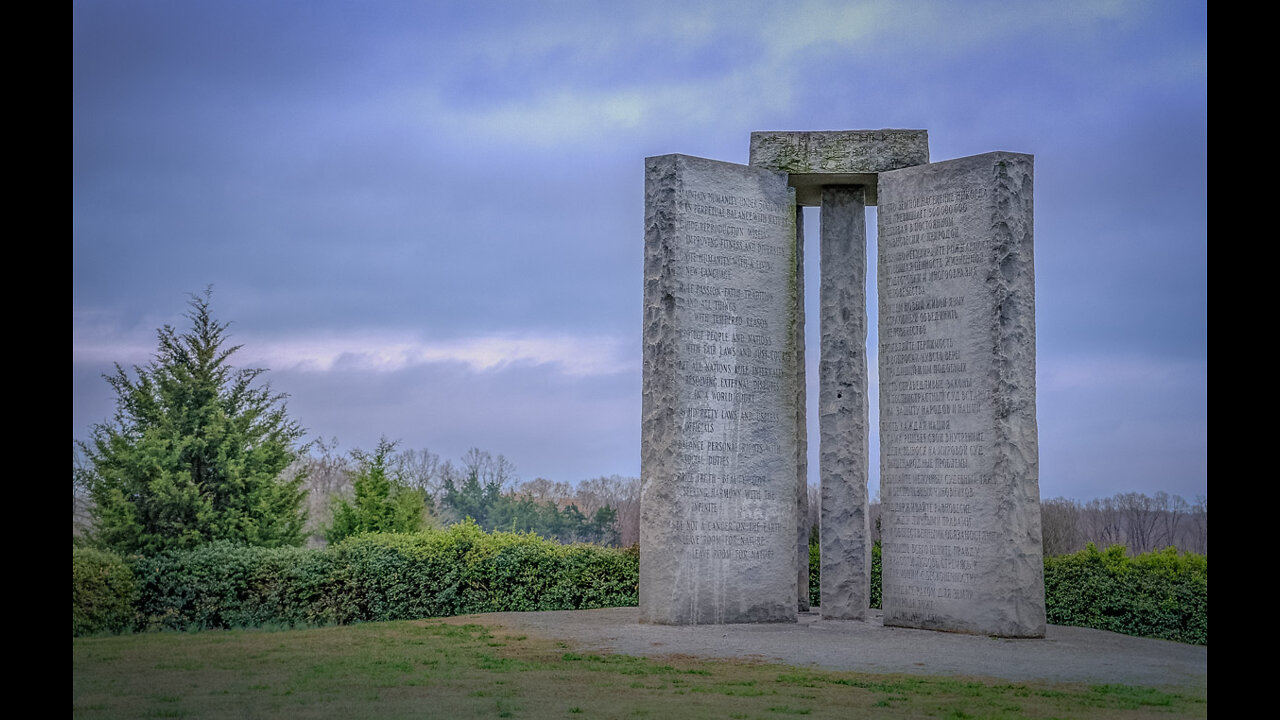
(449, 172)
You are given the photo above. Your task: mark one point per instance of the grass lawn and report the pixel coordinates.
(454, 668)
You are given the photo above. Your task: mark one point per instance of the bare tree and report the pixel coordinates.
(1060, 526)
(489, 469)
(1103, 522)
(420, 470)
(1200, 524)
(593, 494)
(1172, 511)
(1141, 519)
(620, 493)
(874, 514)
(815, 511)
(328, 475)
(81, 505)
(625, 498)
(542, 490)
(1143, 523)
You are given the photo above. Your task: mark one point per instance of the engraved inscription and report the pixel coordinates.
(936, 473)
(719, 444)
(730, 362)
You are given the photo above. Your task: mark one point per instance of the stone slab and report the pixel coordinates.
(719, 428)
(838, 157)
(958, 438)
(845, 536)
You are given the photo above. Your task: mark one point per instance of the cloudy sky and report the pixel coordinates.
(426, 218)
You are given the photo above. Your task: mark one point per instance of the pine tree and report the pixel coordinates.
(195, 450)
(383, 502)
(472, 499)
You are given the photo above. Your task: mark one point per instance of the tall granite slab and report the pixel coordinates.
(958, 438)
(817, 159)
(720, 431)
(845, 537)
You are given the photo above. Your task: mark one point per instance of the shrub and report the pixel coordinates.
(375, 577)
(593, 577)
(875, 575)
(1160, 594)
(223, 584)
(383, 500)
(102, 593)
(463, 569)
(815, 575)
(394, 576)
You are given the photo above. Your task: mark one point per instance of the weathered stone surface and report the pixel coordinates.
(719, 426)
(838, 157)
(845, 535)
(802, 432)
(958, 439)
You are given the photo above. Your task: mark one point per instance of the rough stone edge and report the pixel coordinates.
(658, 341)
(1011, 282)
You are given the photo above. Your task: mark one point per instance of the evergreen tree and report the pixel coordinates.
(382, 503)
(195, 450)
(573, 524)
(472, 499)
(603, 529)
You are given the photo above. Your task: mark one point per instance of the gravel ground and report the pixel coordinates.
(1066, 654)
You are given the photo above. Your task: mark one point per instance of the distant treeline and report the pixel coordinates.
(1142, 523)
(484, 487)
(606, 510)
(481, 486)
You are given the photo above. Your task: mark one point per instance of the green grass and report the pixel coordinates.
(457, 668)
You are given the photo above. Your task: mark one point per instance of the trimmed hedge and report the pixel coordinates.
(1160, 594)
(223, 584)
(464, 570)
(815, 575)
(103, 593)
(876, 575)
(377, 577)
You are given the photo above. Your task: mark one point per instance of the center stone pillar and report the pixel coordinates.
(845, 535)
(839, 171)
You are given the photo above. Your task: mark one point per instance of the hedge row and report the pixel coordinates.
(465, 570)
(367, 578)
(1160, 594)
